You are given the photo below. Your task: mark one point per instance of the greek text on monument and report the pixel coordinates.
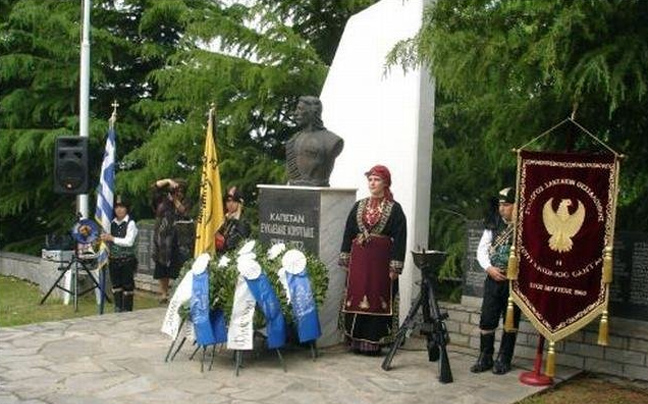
(287, 230)
(287, 218)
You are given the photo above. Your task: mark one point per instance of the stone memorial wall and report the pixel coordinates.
(145, 264)
(473, 276)
(629, 289)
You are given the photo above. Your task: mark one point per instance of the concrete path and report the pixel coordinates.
(119, 358)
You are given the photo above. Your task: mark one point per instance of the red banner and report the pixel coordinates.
(565, 219)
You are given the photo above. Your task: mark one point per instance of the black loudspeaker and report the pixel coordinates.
(71, 165)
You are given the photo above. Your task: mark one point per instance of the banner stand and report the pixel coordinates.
(535, 377)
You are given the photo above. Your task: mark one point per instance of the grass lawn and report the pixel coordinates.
(593, 389)
(19, 304)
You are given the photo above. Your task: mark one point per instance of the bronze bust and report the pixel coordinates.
(311, 152)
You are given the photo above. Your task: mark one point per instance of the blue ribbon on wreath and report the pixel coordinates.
(267, 300)
(304, 307)
(209, 326)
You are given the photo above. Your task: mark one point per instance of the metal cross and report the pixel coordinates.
(113, 117)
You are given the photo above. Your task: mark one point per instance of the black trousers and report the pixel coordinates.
(494, 305)
(122, 273)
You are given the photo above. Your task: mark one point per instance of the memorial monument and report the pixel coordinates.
(385, 117)
(307, 213)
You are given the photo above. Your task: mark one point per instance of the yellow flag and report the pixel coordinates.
(211, 207)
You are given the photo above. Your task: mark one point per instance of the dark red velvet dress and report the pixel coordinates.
(373, 245)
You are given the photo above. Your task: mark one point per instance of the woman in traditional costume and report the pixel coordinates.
(373, 252)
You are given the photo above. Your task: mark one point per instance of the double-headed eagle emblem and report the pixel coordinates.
(561, 225)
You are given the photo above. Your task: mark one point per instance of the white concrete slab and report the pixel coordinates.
(384, 116)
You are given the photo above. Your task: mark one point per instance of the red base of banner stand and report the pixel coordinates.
(535, 378)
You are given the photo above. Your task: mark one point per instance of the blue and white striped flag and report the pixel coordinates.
(104, 210)
(105, 194)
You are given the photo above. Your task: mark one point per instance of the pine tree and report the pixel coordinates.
(39, 78)
(165, 62)
(252, 61)
(507, 71)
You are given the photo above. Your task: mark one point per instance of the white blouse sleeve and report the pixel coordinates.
(482, 250)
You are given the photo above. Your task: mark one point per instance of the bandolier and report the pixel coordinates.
(501, 246)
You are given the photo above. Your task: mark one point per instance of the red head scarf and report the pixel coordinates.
(385, 175)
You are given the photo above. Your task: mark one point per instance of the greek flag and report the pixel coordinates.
(105, 193)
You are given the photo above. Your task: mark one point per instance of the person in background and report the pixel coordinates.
(492, 254)
(373, 253)
(122, 263)
(170, 250)
(235, 229)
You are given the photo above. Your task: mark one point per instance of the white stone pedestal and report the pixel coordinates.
(312, 218)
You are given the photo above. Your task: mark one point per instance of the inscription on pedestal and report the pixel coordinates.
(290, 218)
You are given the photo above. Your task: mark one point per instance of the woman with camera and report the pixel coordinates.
(170, 248)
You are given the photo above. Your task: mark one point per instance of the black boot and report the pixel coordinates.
(486, 349)
(118, 297)
(128, 301)
(505, 355)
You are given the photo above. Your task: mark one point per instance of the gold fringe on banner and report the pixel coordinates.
(607, 265)
(604, 330)
(513, 265)
(508, 323)
(550, 368)
(608, 262)
(514, 261)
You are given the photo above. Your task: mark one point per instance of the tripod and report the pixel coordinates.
(75, 265)
(432, 325)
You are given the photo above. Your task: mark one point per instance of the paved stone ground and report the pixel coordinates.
(119, 358)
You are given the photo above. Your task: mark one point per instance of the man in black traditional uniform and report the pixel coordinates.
(123, 256)
(493, 254)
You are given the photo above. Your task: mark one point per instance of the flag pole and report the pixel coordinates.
(101, 268)
(84, 93)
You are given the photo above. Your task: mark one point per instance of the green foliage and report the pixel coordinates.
(165, 62)
(39, 75)
(320, 21)
(252, 61)
(254, 81)
(507, 71)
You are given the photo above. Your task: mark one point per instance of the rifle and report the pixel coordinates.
(432, 326)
